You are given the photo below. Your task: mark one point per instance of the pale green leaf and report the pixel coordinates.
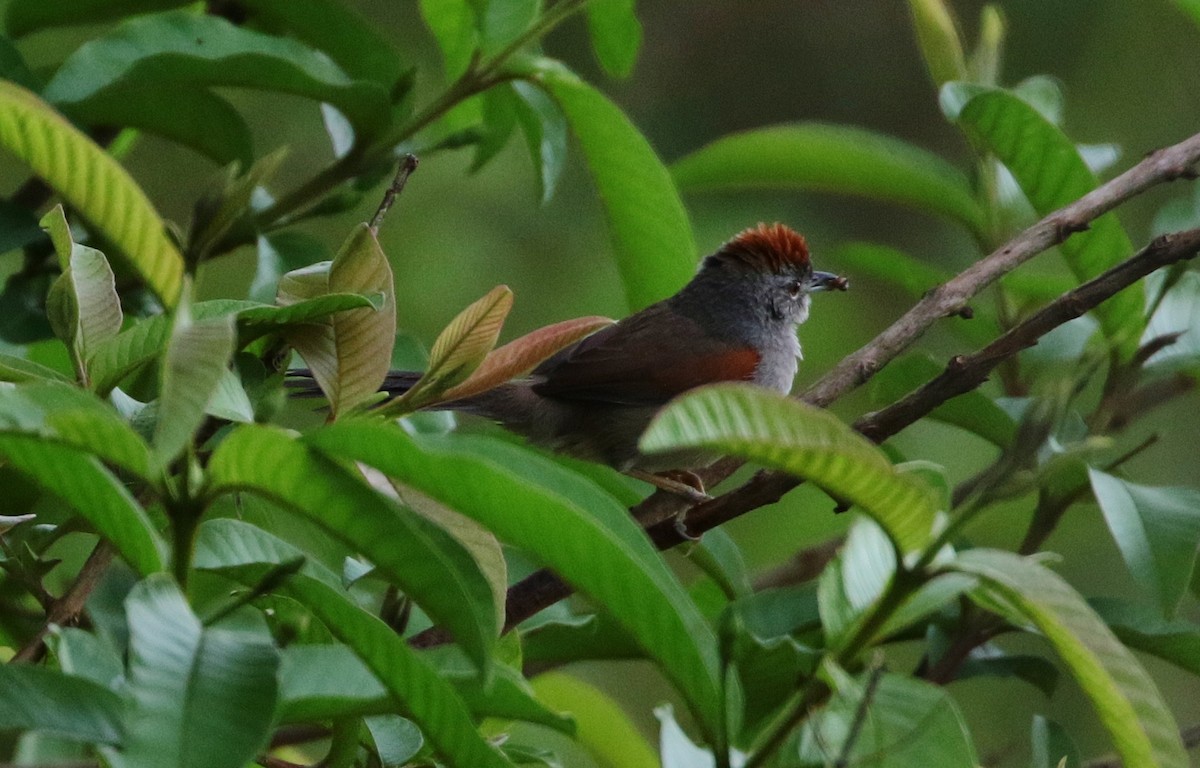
(908, 723)
(196, 358)
(779, 432)
(1157, 531)
(48, 701)
(199, 698)
(1129, 705)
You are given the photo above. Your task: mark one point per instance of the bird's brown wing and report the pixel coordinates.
(635, 363)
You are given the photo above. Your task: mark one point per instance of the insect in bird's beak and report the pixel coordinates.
(827, 281)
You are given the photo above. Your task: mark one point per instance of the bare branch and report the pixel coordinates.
(70, 605)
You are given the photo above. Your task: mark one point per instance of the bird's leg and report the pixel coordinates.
(680, 482)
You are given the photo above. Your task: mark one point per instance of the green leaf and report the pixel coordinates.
(48, 701)
(84, 484)
(460, 348)
(197, 697)
(281, 252)
(226, 542)
(350, 352)
(397, 740)
(499, 118)
(1052, 174)
(1039, 672)
(65, 414)
(771, 429)
(94, 184)
(1051, 745)
(1125, 698)
(195, 360)
(940, 42)
(1143, 628)
(322, 682)
(656, 254)
(17, 370)
(832, 158)
(1178, 312)
(908, 723)
(601, 727)
(194, 117)
(426, 698)
(25, 16)
(454, 27)
(571, 526)
(503, 21)
(718, 555)
(545, 129)
(428, 564)
(973, 411)
(616, 35)
(1190, 8)
(357, 44)
(1157, 531)
(191, 51)
(256, 321)
(93, 314)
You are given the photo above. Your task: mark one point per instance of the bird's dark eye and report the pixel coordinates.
(794, 288)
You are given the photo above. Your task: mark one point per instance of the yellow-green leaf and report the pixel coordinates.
(94, 184)
(768, 428)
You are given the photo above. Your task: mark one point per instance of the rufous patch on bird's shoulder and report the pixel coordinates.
(734, 364)
(774, 247)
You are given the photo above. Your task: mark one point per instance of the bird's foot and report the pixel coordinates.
(680, 482)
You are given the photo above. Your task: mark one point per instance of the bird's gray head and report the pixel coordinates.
(771, 264)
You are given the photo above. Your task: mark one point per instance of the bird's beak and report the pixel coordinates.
(827, 281)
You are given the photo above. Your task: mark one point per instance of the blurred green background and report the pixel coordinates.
(710, 67)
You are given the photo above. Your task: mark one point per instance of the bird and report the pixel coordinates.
(736, 320)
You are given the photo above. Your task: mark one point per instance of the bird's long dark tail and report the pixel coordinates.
(302, 384)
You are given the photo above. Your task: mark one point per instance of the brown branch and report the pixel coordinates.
(542, 589)
(70, 605)
(965, 373)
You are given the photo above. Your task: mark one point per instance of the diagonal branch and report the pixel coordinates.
(542, 589)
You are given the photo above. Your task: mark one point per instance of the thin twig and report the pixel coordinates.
(860, 716)
(68, 607)
(408, 164)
